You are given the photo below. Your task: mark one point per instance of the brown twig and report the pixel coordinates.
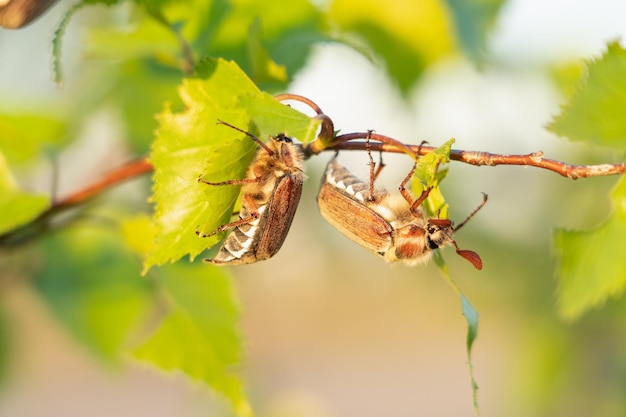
(327, 130)
(342, 142)
(125, 172)
(41, 223)
(535, 159)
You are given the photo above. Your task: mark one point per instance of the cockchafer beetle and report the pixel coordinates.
(392, 226)
(270, 194)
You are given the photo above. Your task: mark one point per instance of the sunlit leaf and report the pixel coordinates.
(199, 335)
(591, 264)
(595, 112)
(191, 144)
(93, 287)
(429, 173)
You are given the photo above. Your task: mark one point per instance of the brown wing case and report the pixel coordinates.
(280, 212)
(354, 219)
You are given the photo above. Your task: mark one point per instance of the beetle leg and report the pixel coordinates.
(374, 171)
(231, 182)
(254, 214)
(407, 194)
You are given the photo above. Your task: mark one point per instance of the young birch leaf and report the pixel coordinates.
(591, 264)
(427, 174)
(191, 144)
(595, 113)
(199, 335)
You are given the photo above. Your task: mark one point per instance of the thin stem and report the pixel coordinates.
(345, 142)
(41, 223)
(477, 158)
(327, 130)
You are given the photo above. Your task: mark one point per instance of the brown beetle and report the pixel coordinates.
(270, 193)
(392, 226)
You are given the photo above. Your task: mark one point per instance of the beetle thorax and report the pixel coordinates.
(286, 158)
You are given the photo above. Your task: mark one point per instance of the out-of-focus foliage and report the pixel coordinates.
(194, 62)
(594, 112)
(411, 36)
(26, 136)
(591, 267)
(200, 334)
(92, 284)
(17, 207)
(473, 21)
(408, 36)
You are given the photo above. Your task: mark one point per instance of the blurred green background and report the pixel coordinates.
(329, 330)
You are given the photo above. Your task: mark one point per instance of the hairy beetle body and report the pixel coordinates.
(270, 193)
(386, 224)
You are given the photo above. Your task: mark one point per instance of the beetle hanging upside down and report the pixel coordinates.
(392, 226)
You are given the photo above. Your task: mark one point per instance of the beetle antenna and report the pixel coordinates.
(472, 213)
(250, 135)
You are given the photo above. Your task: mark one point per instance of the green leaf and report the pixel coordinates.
(595, 112)
(264, 69)
(140, 234)
(591, 264)
(474, 20)
(148, 39)
(16, 206)
(140, 88)
(408, 36)
(219, 28)
(290, 29)
(25, 136)
(428, 174)
(93, 286)
(199, 334)
(207, 24)
(191, 144)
